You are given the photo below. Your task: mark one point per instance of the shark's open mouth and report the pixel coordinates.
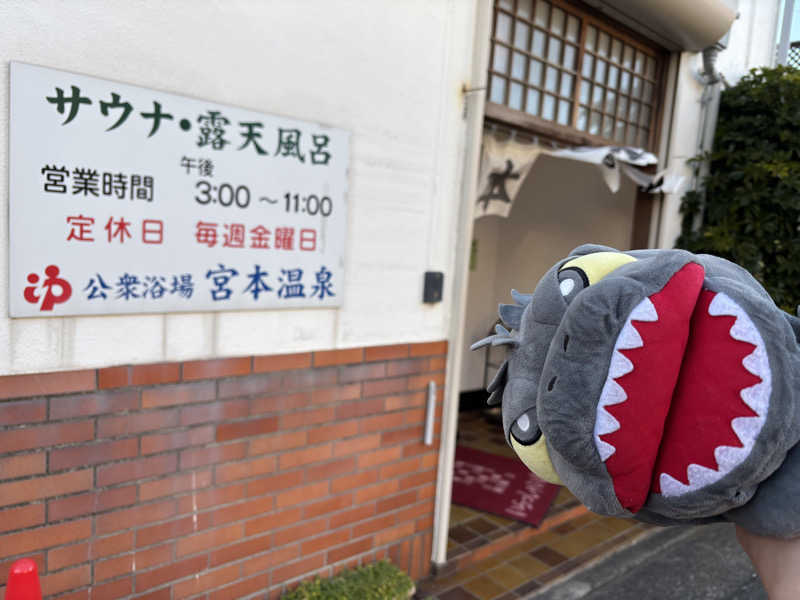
(686, 395)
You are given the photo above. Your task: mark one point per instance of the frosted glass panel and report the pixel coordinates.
(532, 105)
(518, 66)
(497, 94)
(503, 31)
(500, 59)
(537, 43)
(515, 96)
(549, 108)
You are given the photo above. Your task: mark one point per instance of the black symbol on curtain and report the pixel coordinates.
(497, 185)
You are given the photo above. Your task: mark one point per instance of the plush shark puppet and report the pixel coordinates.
(657, 384)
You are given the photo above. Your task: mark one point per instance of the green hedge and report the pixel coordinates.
(378, 581)
(748, 208)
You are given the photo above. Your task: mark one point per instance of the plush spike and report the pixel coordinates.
(503, 340)
(496, 398)
(521, 299)
(511, 315)
(484, 342)
(499, 379)
(502, 331)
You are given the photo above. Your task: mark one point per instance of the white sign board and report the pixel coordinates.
(130, 200)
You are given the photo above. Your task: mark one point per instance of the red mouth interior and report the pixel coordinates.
(682, 394)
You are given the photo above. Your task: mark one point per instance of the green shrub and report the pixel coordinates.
(748, 207)
(378, 581)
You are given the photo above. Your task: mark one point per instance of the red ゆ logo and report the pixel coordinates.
(56, 289)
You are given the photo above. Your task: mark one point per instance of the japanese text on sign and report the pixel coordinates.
(125, 199)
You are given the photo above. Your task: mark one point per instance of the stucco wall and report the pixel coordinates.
(389, 72)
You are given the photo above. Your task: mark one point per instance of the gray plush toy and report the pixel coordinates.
(656, 384)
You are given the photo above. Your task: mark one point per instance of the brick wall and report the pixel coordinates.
(219, 479)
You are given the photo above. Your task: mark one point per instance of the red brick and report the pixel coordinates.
(351, 391)
(400, 468)
(210, 498)
(266, 485)
(376, 491)
(418, 479)
(382, 387)
(276, 557)
(298, 568)
(242, 588)
(414, 511)
(327, 358)
(161, 442)
(306, 493)
(280, 403)
(438, 363)
(330, 469)
(217, 368)
(21, 517)
(38, 488)
(420, 382)
(243, 429)
(354, 515)
(148, 536)
(327, 506)
(215, 412)
(362, 408)
(244, 548)
(304, 530)
(351, 482)
(22, 465)
(67, 556)
(136, 423)
(184, 393)
(281, 362)
(170, 572)
(162, 594)
(297, 458)
(152, 374)
(398, 501)
(362, 372)
(405, 401)
(379, 457)
(417, 448)
(170, 486)
(142, 468)
(208, 539)
(16, 440)
(336, 431)
(428, 349)
(414, 416)
(205, 581)
(378, 423)
(376, 353)
(47, 384)
(399, 436)
(142, 514)
(424, 524)
(324, 542)
(416, 554)
(120, 588)
(91, 503)
(357, 445)
(92, 454)
(66, 580)
(387, 536)
(349, 550)
(112, 544)
(23, 412)
(307, 418)
(310, 378)
(426, 491)
(242, 510)
(279, 441)
(429, 461)
(373, 525)
(252, 385)
(40, 538)
(245, 470)
(98, 403)
(212, 455)
(410, 366)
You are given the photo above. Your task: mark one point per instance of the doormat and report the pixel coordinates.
(501, 486)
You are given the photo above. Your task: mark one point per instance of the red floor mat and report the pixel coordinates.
(501, 486)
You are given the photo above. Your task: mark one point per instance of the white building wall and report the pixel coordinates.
(751, 43)
(390, 72)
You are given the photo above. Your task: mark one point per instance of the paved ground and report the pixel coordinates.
(672, 564)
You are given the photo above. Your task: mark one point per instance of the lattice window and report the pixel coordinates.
(556, 63)
(793, 56)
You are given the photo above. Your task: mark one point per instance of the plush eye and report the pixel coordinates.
(571, 281)
(583, 271)
(526, 429)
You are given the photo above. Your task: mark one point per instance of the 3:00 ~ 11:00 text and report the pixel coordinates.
(228, 195)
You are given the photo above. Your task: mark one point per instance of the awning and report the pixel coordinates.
(505, 165)
(677, 24)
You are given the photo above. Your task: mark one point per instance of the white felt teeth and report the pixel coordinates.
(612, 393)
(756, 397)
